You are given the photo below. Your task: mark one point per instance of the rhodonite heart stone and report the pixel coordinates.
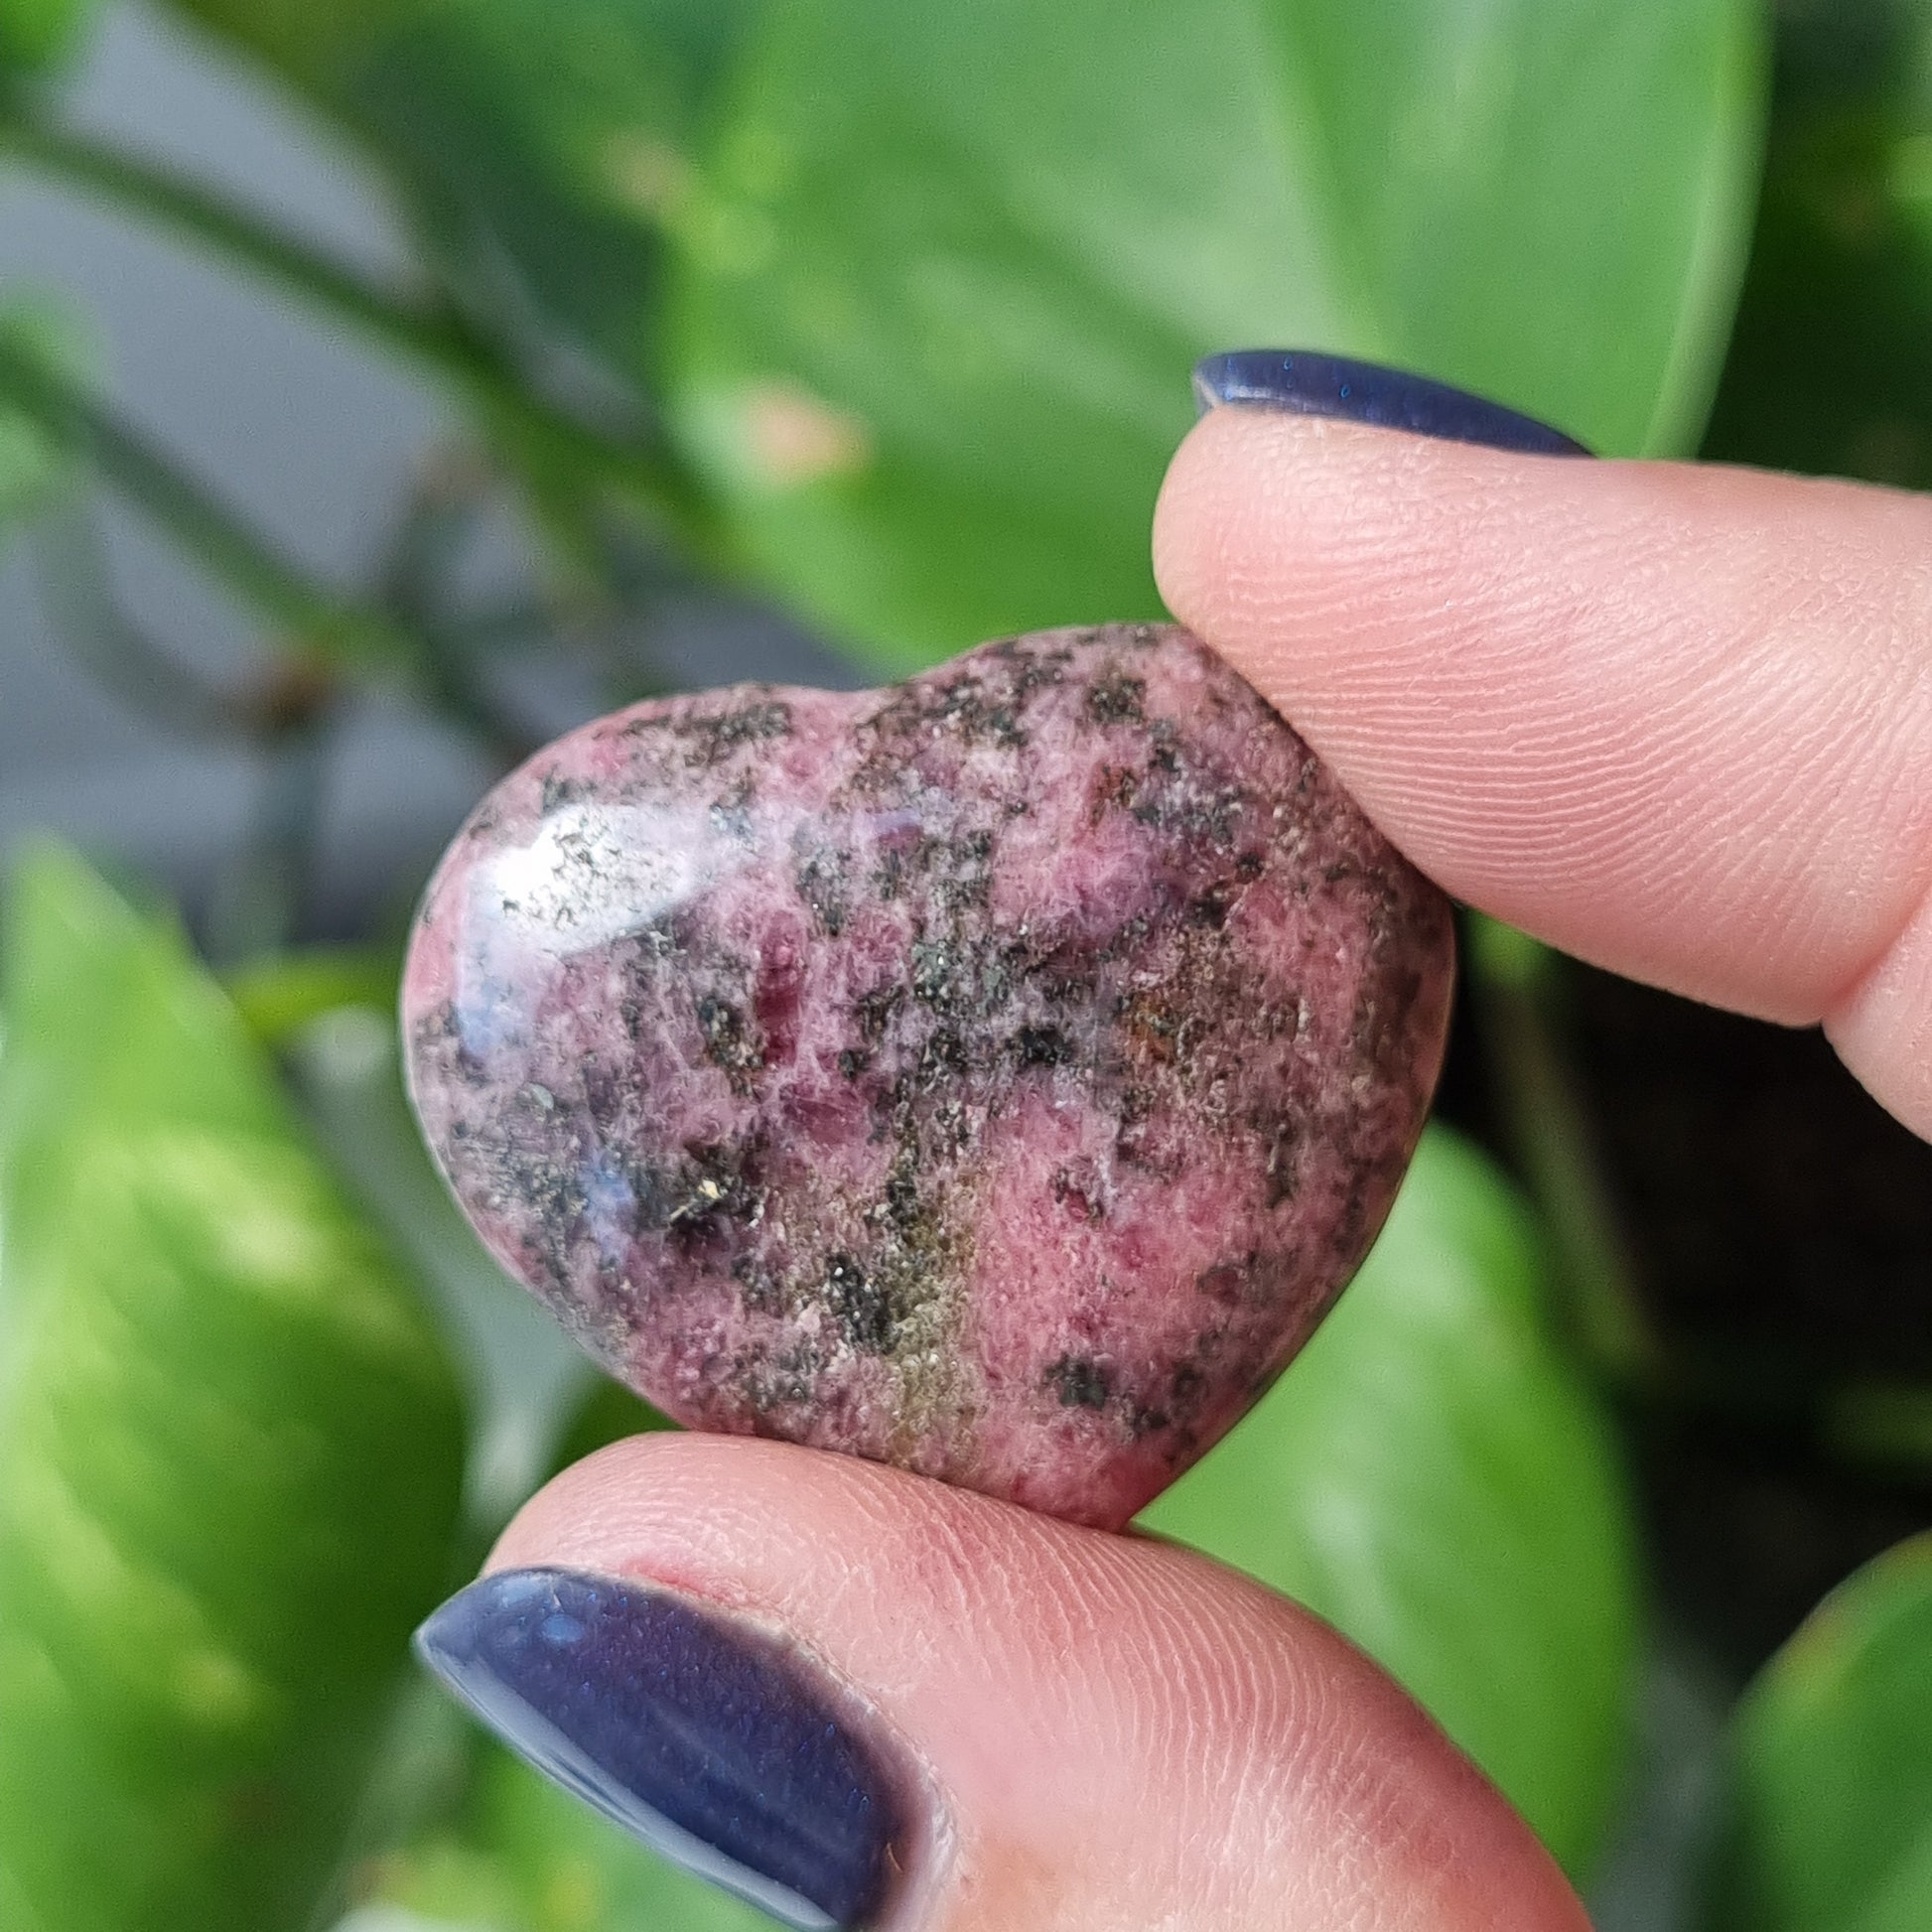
(998, 1074)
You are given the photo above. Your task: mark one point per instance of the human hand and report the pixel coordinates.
(1677, 721)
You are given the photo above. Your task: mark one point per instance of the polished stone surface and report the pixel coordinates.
(997, 1074)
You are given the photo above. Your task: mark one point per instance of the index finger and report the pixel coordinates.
(1675, 719)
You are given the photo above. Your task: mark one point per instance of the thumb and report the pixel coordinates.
(862, 1698)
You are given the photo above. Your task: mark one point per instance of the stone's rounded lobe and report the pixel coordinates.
(998, 1074)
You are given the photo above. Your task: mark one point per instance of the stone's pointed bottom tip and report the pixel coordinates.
(997, 1074)
(716, 1745)
(1303, 382)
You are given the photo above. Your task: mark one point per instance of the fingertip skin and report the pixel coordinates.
(1882, 1029)
(1112, 1733)
(1672, 718)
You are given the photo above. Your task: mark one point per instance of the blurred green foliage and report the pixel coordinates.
(1827, 369)
(887, 310)
(231, 1444)
(34, 33)
(930, 302)
(535, 143)
(33, 464)
(523, 1856)
(608, 1414)
(1831, 1790)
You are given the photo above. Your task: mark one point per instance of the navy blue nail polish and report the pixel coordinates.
(711, 1742)
(1363, 392)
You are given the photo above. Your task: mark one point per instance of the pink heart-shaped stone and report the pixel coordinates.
(998, 1074)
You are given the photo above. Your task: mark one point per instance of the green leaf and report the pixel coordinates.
(38, 33)
(1828, 369)
(230, 1449)
(950, 266)
(532, 1858)
(1431, 1478)
(554, 134)
(1831, 1766)
(546, 138)
(281, 995)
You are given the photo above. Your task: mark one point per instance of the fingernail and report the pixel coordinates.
(720, 1747)
(1307, 384)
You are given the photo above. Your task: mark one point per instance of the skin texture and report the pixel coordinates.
(1675, 719)
(1103, 1733)
(997, 1075)
(1678, 720)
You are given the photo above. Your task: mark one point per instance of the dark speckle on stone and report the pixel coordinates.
(874, 1008)
(712, 735)
(761, 1291)
(821, 885)
(1080, 1200)
(862, 1309)
(556, 792)
(1079, 1382)
(728, 1043)
(1117, 700)
(1042, 1045)
(1210, 907)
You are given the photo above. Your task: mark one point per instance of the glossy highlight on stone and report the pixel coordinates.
(998, 1074)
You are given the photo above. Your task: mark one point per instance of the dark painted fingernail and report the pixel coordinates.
(1307, 384)
(717, 1746)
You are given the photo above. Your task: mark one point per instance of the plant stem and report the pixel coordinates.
(321, 621)
(1513, 979)
(435, 339)
(440, 518)
(172, 201)
(79, 599)
(260, 899)
(438, 522)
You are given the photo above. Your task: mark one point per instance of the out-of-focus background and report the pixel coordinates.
(324, 439)
(320, 438)
(386, 387)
